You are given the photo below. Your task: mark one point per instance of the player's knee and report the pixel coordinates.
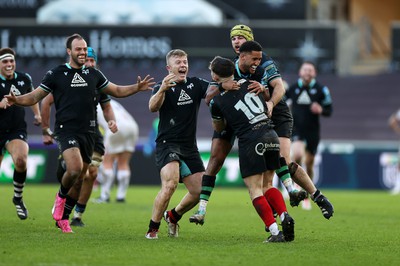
(170, 186)
(74, 173)
(20, 163)
(293, 168)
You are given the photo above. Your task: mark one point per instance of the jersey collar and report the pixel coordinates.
(69, 66)
(4, 78)
(300, 83)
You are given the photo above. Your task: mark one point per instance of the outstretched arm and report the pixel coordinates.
(124, 91)
(27, 99)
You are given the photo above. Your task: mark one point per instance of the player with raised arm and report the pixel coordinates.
(75, 89)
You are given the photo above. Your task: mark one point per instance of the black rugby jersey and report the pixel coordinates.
(14, 116)
(265, 73)
(76, 93)
(302, 97)
(178, 113)
(243, 111)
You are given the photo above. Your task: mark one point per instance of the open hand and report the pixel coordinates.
(168, 82)
(255, 87)
(146, 83)
(10, 99)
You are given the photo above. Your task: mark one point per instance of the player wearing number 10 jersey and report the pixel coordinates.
(259, 148)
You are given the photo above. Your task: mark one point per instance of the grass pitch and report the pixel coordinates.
(365, 230)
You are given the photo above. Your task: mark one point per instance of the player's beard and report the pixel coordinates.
(77, 61)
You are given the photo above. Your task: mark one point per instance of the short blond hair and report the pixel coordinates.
(175, 52)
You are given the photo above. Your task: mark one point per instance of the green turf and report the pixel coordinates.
(365, 230)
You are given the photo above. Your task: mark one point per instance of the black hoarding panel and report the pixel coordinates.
(144, 45)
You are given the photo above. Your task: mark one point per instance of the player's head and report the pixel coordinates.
(307, 71)
(250, 55)
(7, 62)
(221, 68)
(177, 63)
(76, 49)
(239, 34)
(91, 59)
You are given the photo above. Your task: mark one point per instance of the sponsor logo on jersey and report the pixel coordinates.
(14, 90)
(21, 83)
(85, 71)
(78, 81)
(184, 98)
(304, 98)
(261, 148)
(65, 73)
(174, 156)
(2, 84)
(72, 142)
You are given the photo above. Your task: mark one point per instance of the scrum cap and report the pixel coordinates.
(242, 30)
(91, 53)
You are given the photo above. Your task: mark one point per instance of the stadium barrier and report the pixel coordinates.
(337, 166)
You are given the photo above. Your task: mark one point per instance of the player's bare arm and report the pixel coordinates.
(27, 99)
(124, 91)
(109, 116)
(37, 118)
(45, 109)
(219, 124)
(278, 91)
(157, 99)
(213, 89)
